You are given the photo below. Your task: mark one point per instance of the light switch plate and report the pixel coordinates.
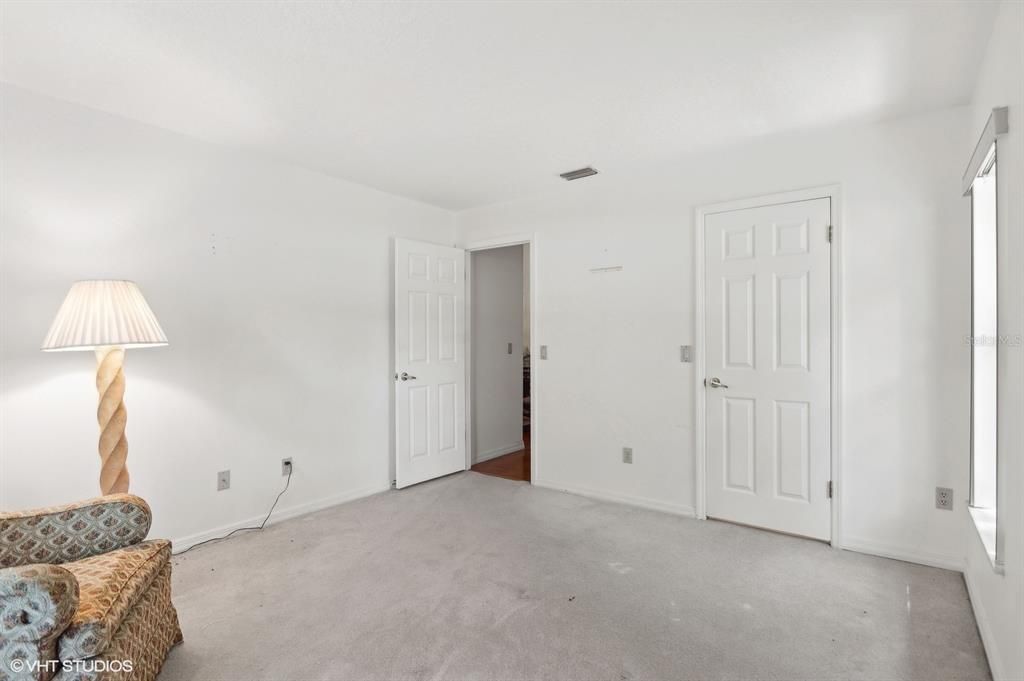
(223, 480)
(627, 455)
(543, 352)
(685, 353)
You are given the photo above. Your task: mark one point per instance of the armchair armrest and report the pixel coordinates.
(37, 602)
(60, 534)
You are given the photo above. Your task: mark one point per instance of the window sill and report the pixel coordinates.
(985, 523)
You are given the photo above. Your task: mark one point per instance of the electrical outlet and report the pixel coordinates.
(286, 466)
(223, 480)
(627, 455)
(944, 498)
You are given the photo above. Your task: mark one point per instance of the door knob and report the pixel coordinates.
(715, 382)
(407, 377)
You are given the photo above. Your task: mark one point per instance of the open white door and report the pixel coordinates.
(430, 361)
(768, 366)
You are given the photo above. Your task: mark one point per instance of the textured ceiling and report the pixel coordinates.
(461, 104)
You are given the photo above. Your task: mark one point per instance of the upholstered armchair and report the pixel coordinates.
(83, 595)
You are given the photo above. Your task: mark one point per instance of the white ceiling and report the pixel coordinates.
(461, 104)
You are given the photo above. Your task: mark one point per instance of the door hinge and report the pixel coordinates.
(830, 233)
(828, 489)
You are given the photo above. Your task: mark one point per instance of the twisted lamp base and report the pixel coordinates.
(112, 417)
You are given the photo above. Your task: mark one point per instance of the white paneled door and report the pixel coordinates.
(430, 361)
(768, 366)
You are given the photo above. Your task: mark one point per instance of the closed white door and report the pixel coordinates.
(430, 361)
(768, 366)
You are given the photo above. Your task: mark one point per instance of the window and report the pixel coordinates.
(984, 354)
(980, 183)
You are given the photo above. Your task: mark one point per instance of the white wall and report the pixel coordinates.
(613, 377)
(999, 599)
(273, 285)
(496, 302)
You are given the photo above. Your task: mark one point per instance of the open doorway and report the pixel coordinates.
(500, 361)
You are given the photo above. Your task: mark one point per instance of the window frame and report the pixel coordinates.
(984, 162)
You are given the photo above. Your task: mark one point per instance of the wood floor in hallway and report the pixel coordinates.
(514, 466)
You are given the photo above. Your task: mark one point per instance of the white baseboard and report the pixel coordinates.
(939, 560)
(641, 502)
(184, 543)
(500, 451)
(995, 663)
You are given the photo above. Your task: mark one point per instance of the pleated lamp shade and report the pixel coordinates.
(102, 313)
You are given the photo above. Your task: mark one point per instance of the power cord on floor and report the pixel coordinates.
(244, 529)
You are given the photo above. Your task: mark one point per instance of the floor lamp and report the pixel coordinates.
(107, 317)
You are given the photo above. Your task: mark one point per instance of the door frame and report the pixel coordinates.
(529, 239)
(832, 192)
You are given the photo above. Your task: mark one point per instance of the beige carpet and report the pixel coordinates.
(474, 577)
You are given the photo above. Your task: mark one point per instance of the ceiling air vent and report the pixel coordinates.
(577, 174)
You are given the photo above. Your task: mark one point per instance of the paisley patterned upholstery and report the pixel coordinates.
(31, 655)
(108, 600)
(61, 534)
(36, 604)
(109, 586)
(148, 632)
